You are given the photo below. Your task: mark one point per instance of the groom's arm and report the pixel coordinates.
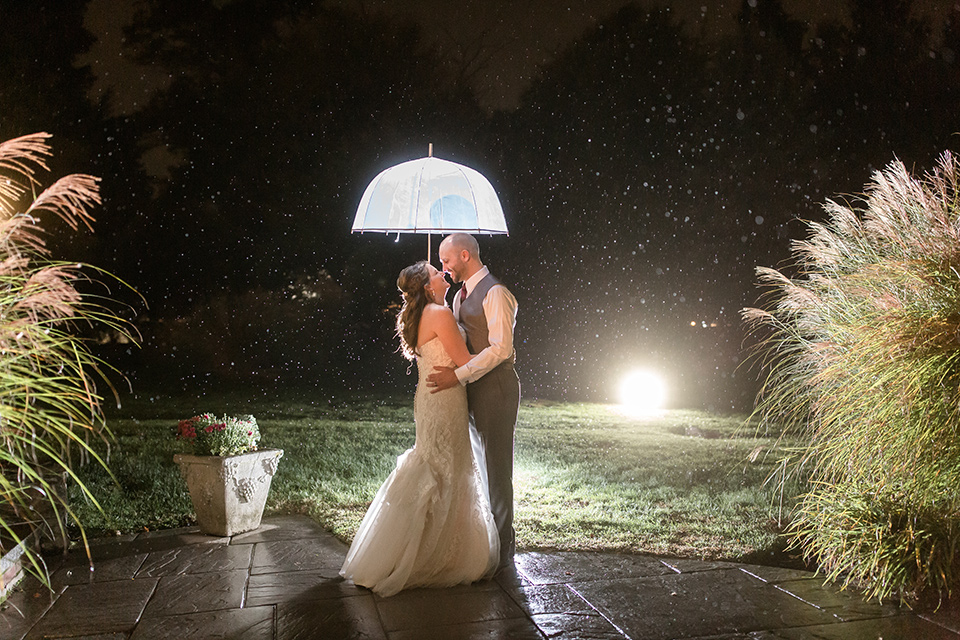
(500, 309)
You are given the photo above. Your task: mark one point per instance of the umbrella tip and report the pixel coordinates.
(430, 149)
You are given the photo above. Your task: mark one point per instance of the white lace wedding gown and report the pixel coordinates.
(430, 523)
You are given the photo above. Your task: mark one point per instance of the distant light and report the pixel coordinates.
(642, 392)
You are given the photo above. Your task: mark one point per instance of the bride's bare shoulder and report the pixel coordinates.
(437, 311)
(432, 321)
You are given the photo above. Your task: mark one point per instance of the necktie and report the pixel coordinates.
(463, 293)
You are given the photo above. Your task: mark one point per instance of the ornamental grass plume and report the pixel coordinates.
(861, 351)
(50, 403)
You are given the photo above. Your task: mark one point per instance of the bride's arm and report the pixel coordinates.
(441, 319)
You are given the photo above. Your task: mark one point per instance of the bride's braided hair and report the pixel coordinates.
(411, 282)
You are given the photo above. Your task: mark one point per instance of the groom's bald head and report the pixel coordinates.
(463, 242)
(460, 256)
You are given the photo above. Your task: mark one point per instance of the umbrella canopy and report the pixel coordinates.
(430, 195)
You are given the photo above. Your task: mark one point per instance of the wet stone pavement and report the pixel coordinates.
(280, 583)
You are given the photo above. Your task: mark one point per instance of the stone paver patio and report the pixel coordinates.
(280, 582)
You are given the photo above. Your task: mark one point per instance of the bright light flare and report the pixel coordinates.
(642, 392)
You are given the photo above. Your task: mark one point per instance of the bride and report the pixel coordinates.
(430, 523)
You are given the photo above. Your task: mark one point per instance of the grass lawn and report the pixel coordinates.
(587, 477)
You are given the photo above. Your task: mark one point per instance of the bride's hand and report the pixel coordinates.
(442, 378)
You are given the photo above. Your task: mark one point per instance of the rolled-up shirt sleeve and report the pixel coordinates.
(500, 309)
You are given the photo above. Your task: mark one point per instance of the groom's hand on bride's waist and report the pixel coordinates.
(442, 378)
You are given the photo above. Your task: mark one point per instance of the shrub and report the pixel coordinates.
(258, 335)
(862, 353)
(208, 435)
(50, 406)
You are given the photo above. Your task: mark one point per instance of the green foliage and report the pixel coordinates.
(50, 407)
(209, 435)
(881, 537)
(864, 363)
(267, 337)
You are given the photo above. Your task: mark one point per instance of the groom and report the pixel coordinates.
(488, 313)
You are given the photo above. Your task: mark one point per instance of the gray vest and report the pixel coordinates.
(473, 319)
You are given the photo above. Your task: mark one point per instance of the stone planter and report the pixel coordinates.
(11, 567)
(229, 493)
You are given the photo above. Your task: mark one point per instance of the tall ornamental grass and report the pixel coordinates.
(50, 381)
(861, 352)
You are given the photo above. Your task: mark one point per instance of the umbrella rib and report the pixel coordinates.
(473, 193)
(371, 188)
(416, 201)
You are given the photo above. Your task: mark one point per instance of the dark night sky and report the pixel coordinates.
(519, 36)
(626, 209)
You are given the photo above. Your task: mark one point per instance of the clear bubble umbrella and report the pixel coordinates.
(430, 195)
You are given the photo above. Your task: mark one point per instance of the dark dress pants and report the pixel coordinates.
(494, 401)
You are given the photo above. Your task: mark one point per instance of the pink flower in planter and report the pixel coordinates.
(226, 436)
(186, 430)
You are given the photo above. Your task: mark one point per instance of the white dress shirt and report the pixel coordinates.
(500, 309)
